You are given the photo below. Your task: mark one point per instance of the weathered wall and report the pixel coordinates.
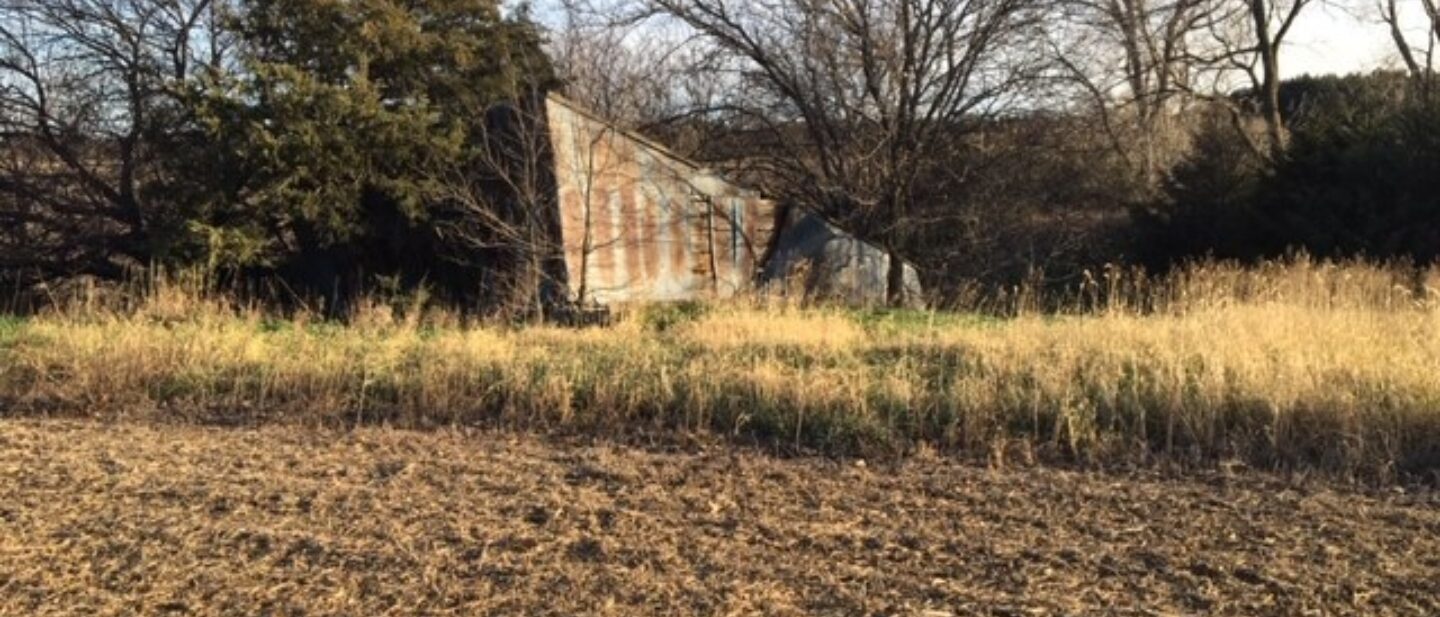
(639, 223)
(821, 261)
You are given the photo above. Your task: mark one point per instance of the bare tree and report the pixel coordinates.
(86, 89)
(1249, 36)
(1133, 60)
(495, 210)
(501, 209)
(628, 75)
(1418, 55)
(858, 97)
(634, 73)
(1270, 21)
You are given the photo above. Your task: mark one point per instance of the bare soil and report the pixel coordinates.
(132, 519)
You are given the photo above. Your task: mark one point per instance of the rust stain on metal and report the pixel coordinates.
(640, 223)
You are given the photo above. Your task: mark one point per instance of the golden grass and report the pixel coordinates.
(1295, 364)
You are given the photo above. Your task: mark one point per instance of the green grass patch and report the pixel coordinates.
(914, 321)
(10, 330)
(661, 317)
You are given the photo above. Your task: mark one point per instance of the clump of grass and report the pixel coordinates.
(10, 327)
(1293, 365)
(886, 321)
(662, 317)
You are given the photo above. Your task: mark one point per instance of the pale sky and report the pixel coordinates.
(1328, 40)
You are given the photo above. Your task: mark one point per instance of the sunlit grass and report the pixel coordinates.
(1296, 364)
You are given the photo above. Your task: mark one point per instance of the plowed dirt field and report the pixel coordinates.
(134, 519)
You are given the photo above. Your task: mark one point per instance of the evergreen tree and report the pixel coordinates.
(321, 152)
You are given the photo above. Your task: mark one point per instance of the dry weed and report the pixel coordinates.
(1299, 364)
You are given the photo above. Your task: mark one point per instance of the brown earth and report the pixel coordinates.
(126, 519)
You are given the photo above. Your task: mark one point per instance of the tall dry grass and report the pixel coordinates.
(1297, 364)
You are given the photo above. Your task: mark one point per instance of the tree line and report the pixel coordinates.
(331, 148)
(328, 147)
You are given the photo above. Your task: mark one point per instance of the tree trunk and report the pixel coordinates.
(1274, 124)
(1270, 77)
(895, 280)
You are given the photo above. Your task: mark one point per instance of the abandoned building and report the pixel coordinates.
(640, 223)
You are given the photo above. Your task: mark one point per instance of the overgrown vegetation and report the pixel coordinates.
(1354, 181)
(9, 328)
(323, 149)
(320, 152)
(1297, 364)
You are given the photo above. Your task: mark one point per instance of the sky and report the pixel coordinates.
(1328, 39)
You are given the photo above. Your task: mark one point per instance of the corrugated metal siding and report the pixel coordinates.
(639, 223)
(833, 264)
